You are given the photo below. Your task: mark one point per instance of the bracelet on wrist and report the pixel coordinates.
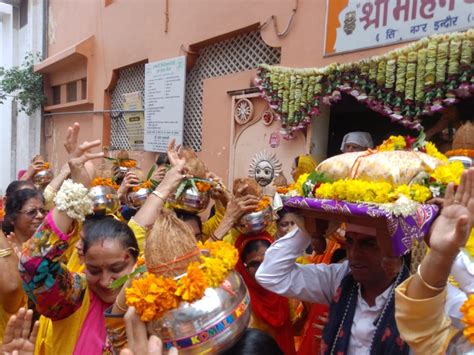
(160, 195)
(123, 309)
(6, 252)
(427, 285)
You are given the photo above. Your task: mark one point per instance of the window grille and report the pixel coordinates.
(234, 55)
(131, 79)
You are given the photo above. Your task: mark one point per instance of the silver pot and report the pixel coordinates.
(255, 222)
(105, 199)
(136, 199)
(190, 200)
(43, 177)
(210, 325)
(120, 172)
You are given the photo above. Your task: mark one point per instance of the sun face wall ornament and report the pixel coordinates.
(264, 167)
(243, 111)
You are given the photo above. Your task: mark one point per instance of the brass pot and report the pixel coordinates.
(136, 199)
(105, 199)
(255, 222)
(190, 200)
(210, 325)
(43, 177)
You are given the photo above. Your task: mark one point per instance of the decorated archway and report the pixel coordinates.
(405, 84)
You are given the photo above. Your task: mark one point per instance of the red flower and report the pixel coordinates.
(409, 141)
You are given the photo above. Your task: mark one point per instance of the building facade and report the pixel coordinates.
(97, 50)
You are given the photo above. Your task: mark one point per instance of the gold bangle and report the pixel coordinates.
(159, 195)
(120, 308)
(427, 285)
(6, 252)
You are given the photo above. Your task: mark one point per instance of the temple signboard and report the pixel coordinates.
(353, 25)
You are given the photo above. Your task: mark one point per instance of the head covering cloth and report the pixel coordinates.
(363, 139)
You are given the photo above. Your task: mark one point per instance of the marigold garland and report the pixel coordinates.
(444, 174)
(2, 213)
(461, 152)
(152, 295)
(392, 143)
(468, 310)
(147, 184)
(127, 163)
(300, 182)
(374, 192)
(432, 151)
(263, 203)
(417, 79)
(203, 186)
(104, 182)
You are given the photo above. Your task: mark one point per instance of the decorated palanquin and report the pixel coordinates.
(388, 188)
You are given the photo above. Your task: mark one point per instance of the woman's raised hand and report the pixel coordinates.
(173, 153)
(19, 338)
(451, 229)
(78, 159)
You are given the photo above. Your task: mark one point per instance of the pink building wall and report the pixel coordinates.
(124, 32)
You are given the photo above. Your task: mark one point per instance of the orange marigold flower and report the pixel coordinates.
(104, 182)
(2, 213)
(128, 163)
(460, 152)
(140, 261)
(203, 186)
(46, 166)
(468, 319)
(147, 184)
(282, 190)
(191, 287)
(263, 203)
(152, 296)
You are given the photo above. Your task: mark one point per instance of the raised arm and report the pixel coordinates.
(420, 300)
(56, 292)
(280, 273)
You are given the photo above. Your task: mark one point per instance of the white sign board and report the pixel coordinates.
(164, 103)
(353, 25)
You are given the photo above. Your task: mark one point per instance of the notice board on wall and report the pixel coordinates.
(164, 103)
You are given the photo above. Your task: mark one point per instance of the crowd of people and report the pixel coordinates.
(66, 266)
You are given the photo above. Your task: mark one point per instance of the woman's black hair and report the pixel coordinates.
(252, 246)
(15, 203)
(187, 216)
(254, 342)
(97, 229)
(162, 160)
(18, 185)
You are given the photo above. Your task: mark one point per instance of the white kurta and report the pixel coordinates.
(316, 283)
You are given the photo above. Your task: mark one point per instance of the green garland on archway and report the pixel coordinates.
(408, 82)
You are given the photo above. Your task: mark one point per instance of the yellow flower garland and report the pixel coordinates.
(392, 143)
(152, 295)
(354, 190)
(468, 319)
(451, 172)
